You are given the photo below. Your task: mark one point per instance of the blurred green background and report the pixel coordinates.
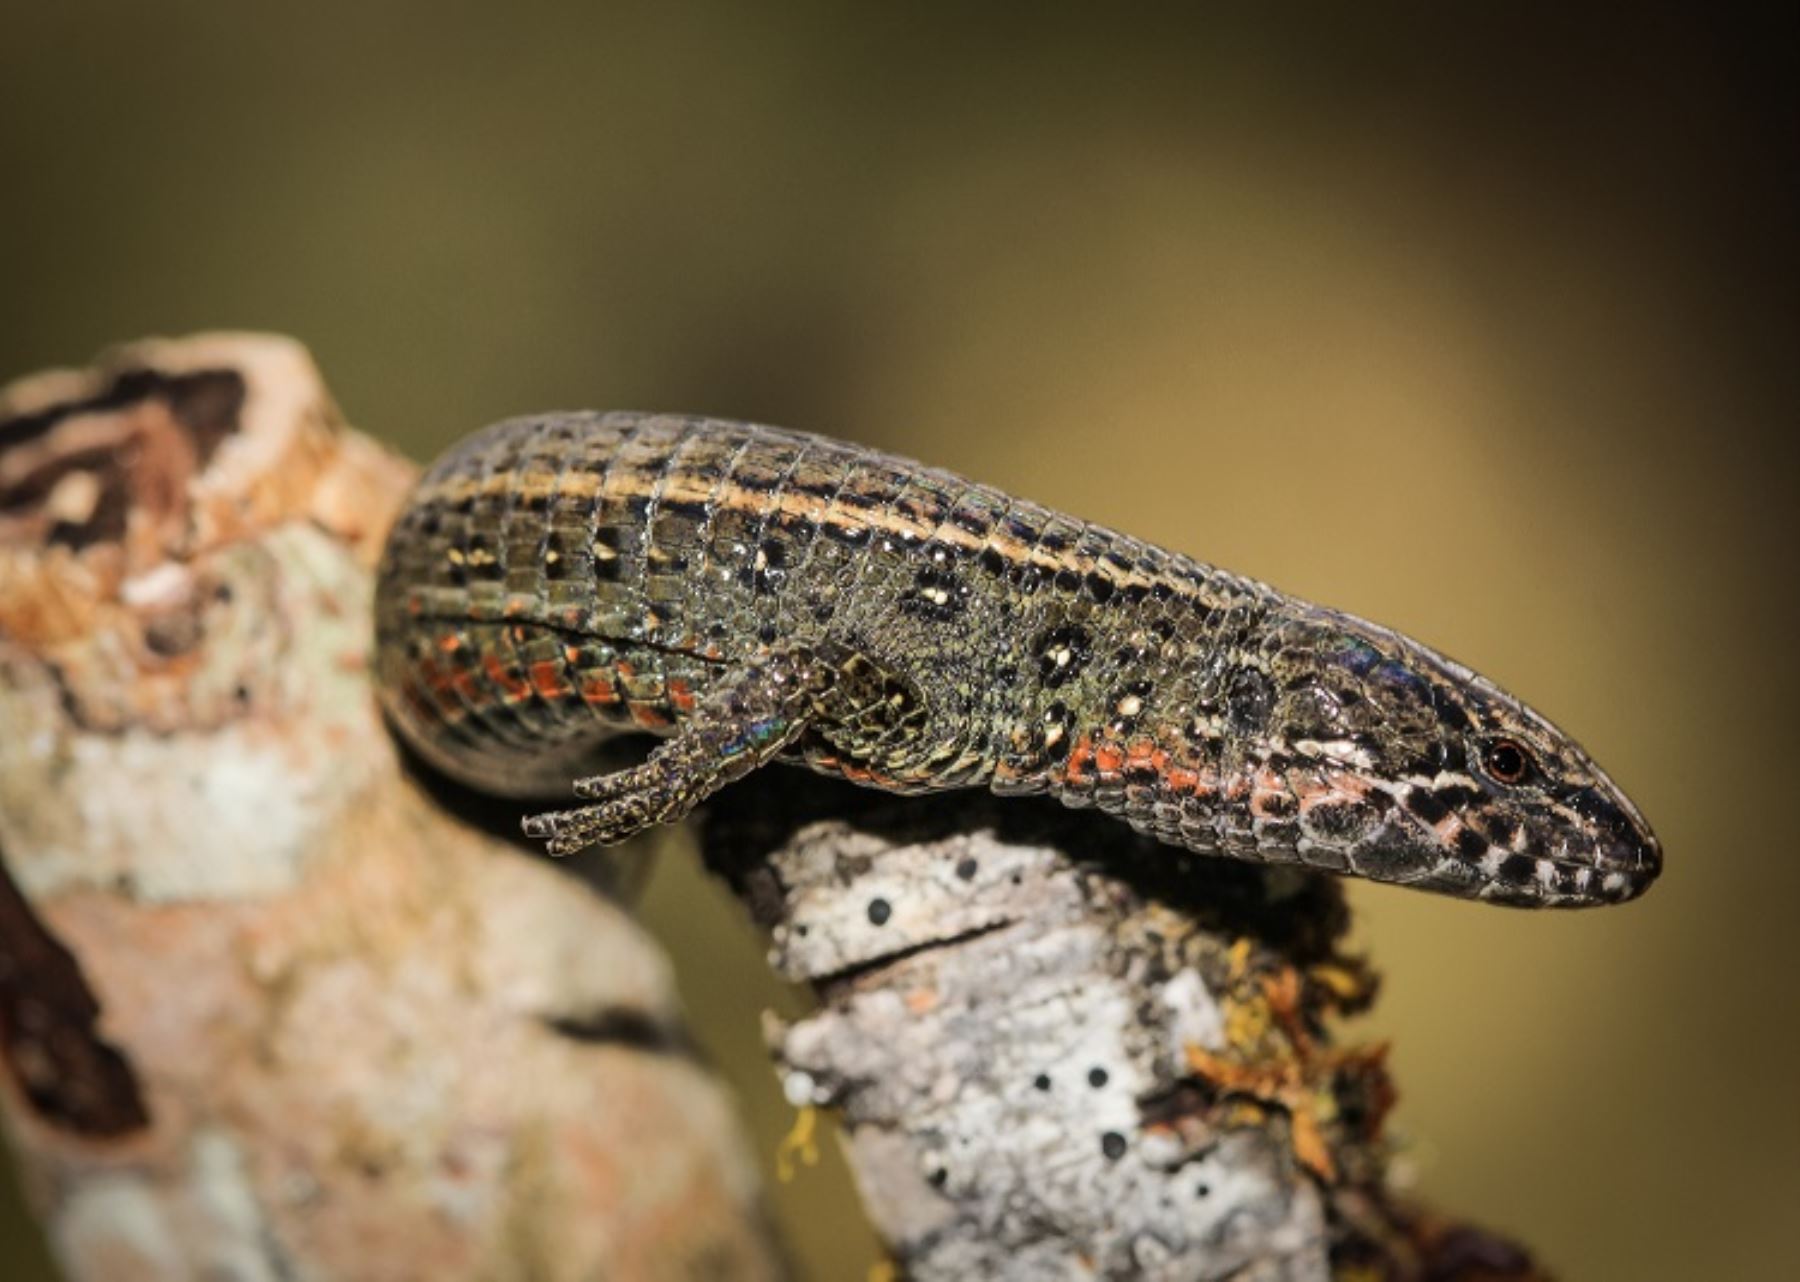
(1482, 325)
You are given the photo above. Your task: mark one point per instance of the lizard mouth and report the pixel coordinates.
(1615, 872)
(1622, 840)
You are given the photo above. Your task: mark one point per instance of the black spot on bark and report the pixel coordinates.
(67, 1073)
(621, 1026)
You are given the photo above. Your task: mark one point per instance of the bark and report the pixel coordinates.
(267, 1009)
(1061, 1051)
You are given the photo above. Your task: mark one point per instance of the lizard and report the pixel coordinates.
(752, 595)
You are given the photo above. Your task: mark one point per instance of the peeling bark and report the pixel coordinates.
(266, 1010)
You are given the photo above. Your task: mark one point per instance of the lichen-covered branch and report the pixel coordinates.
(1061, 1052)
(267, 1009)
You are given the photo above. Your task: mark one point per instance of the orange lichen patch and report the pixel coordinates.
(1275, 1082)
(1282, 990)
(1239, 957)
(921, 1001)
(1352, 985)
(1283, 1066)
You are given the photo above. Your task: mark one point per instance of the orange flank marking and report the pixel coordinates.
(599, 689)
(510, 683)
(681, 695)
(571, 655)
(547, 679)
(1145, 754)
(649, 716)
(1081, 760)
(626, 671)
(1181, 779)
(854, 771)
(1087, 758)
(450, 643)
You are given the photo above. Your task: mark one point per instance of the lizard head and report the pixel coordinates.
(1404, 766)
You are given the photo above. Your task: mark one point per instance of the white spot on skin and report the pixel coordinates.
(1339, 751)
(1130, 706)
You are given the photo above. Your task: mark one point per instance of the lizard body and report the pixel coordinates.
(754, 594)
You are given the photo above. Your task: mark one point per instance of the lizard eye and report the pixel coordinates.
(1506, 761)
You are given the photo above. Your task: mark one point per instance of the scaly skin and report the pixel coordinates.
(757, 594)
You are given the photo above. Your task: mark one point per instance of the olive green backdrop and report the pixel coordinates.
(1483, 327)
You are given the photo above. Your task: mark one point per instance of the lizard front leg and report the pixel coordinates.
(746, 720)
